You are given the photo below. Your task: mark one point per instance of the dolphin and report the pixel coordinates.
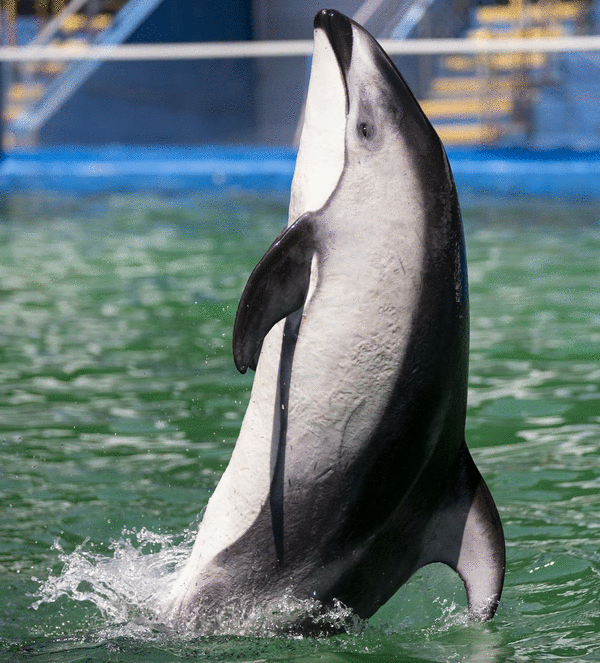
(351, 470)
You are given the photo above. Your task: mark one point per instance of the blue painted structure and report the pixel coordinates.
(563, 174)
(166, 105)
(248, 101)
(168, 102)
(566, 111)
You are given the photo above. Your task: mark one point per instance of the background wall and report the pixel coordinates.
(181, 102)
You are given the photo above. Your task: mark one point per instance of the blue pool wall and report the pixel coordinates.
(563, 174)
(165, 102)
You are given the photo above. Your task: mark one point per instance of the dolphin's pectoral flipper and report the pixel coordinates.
(277, 287)
(467, 536)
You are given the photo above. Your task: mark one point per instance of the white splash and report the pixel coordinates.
(128, 586)
(125, 586)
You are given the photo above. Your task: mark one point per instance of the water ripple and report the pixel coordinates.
(119, 407)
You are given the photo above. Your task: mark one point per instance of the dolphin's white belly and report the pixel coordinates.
(353, 339)
(244, 486)
(354, 334)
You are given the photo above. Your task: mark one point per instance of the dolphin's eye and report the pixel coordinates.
(365, 130)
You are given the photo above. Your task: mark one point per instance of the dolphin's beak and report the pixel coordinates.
(349, 40)
(338, 29)
(321, 149)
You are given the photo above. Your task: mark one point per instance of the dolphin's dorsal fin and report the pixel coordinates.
(277, 287)
(467, 536)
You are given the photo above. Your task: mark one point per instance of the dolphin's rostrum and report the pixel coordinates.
(351, 469)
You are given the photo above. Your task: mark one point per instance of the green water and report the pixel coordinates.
(119, 407)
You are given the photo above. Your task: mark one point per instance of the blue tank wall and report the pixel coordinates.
(179, 102)
(565, 112)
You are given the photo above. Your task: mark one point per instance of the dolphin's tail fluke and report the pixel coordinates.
(467, 536)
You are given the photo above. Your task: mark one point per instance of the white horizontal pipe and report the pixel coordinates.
(287, 48)
(457, 46)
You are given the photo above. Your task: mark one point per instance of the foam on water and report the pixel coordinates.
(128, 588)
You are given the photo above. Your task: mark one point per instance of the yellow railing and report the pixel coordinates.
(482, 97)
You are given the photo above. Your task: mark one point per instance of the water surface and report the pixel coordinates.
(120, 405)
